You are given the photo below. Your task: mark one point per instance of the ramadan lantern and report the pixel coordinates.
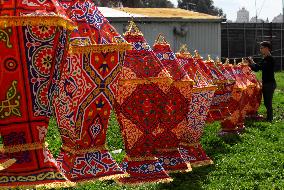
(86, 95)
(174, 120)
(33, 44)
(257, 92)
(237, 104)
(140, 101)
(201, 98)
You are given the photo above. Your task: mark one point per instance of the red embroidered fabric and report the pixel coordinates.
(238, 104)
(31, 53)
(86, 95)
(202, 96)
(257, 91)
(140, 108)
(219, 107)
(174, 120)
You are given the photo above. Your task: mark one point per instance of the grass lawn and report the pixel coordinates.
(254, 160)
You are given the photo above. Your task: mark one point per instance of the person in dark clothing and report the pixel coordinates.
(268, 79)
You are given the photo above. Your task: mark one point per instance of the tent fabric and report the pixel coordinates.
(31, 54)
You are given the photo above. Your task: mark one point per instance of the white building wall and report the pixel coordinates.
(204, 37)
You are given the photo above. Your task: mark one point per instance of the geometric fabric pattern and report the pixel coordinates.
(86, 95)
(219, 107)
(202, 96)
(31, 54)
(141, 103)
(239, 103)
(175, 123)
(254, 102)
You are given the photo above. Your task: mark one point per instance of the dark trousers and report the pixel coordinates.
(268, 91)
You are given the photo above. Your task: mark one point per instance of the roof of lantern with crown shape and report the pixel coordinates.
(141, 59)
(34, 12)
(94, 33)
(163, 51)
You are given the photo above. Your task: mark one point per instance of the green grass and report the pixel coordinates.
(253, 160)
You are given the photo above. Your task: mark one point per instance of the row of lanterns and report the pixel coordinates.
(63, 58)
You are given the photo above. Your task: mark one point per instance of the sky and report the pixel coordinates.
(265, 8)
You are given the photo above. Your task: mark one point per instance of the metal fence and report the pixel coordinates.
(242, 40)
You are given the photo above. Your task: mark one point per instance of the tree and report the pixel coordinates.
(203, 6)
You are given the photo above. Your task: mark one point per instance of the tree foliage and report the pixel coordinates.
(203, 6)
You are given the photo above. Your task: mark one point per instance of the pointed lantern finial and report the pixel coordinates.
(133, 29)
(209, 59)
(161, 39)
(218, 60)
(196, 54)
(227, 62)
(184, 51)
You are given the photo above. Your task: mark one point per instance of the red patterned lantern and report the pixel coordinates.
(174, 119)
(237, 104)
(214, 111)
(140, 101)
(33, 44)
(86, 91)
(219, 109)
(202, 96)
(257, 92)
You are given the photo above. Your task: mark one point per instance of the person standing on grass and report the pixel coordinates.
(268, 79)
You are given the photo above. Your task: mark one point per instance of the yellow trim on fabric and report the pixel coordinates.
(202, 163)
(146, 81)
(98, 48)
(7, 164)
(22, 147)
(166, 180)
(189, 145)
(139, 159)
(79, 150)
(45, 20)
(189, 169)
(204, 89)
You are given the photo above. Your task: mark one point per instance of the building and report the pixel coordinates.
(278, 19)
(242, 16)
(197, 30)
(256, 20)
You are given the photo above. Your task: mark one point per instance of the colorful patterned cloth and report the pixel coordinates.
(219, 107)
(32, 42)
(5, 161)
(238, 105)
(140, 105)
(86, 91)
(257, 91)
(202, 96)
(174, 119)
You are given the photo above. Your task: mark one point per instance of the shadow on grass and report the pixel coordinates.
(215, 146)
(191, 180)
